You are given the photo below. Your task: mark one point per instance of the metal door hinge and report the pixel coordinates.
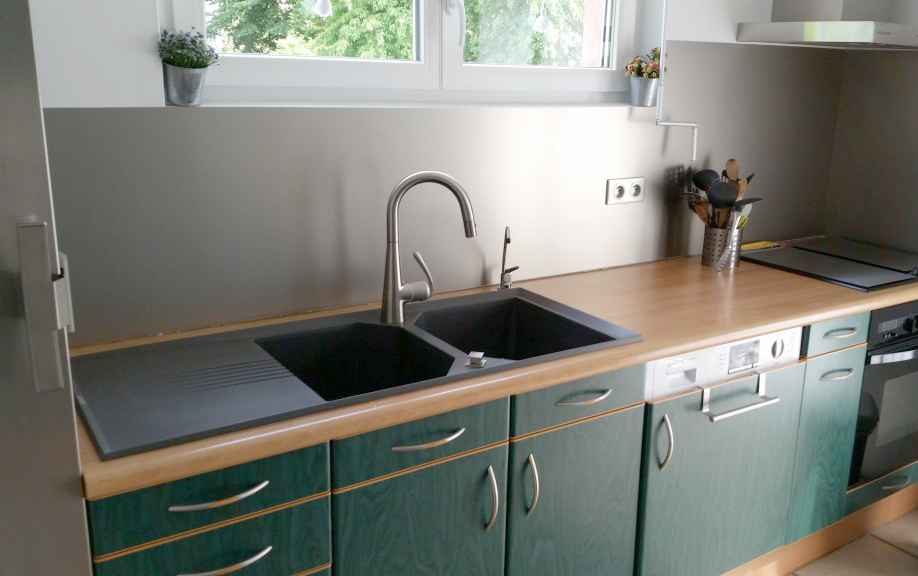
(46, 303)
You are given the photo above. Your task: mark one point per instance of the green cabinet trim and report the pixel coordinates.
(299, 537)
(828, 419)
(835, 334)
(360, 458)
(114, 525)
(539, 409)
(585, 519)
(722, 500)
(429, 522)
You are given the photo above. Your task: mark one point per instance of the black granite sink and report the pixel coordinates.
(152, 396)
(354, 359)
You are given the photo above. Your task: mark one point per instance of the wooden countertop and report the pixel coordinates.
(676, 305)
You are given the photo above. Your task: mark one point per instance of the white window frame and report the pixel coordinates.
(439, 75)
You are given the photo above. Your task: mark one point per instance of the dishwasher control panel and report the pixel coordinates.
(700, 368)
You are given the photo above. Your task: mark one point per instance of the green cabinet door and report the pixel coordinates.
(584, 519)
(828, 419)
(722, 498)
(429, 522)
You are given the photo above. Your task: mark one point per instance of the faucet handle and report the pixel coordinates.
(420, 289)
(425, 269)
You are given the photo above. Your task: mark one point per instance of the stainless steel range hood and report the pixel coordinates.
(851, 24)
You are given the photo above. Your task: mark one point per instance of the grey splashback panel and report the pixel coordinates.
(181, 218)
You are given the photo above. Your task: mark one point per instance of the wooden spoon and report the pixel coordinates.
(732, 169)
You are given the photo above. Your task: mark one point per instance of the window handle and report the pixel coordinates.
(460, 5)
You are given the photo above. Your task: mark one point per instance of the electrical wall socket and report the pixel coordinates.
(622, 190)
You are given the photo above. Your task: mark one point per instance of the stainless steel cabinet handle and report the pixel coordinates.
(535, 484)
(234, 567)
(894, 357)
(495, 496)
(762, 402)
(428, 445)
(671, 445)
(842, 374)
(219, 503)
(839, 333)
(899, 486)
(589, 402)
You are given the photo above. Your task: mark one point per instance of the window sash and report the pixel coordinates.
(440, 72)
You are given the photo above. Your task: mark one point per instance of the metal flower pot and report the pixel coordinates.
(184, 86)
(644, 91)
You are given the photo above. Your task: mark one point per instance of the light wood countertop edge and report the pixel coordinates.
(677, 305)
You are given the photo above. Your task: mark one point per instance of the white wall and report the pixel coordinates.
(712, 20)
(98, 53)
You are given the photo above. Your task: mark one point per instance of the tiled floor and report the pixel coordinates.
(890, 550)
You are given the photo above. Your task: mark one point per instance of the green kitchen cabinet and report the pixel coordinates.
(828, 419)
(582, 517)
(448, 518)
(716, 478)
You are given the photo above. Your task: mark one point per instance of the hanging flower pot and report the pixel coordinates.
(185, 57)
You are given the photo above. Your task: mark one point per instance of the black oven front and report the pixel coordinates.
(887, 428)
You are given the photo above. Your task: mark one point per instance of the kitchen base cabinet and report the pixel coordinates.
(584, 518)
(298, 537)
(714, 494)
(828, 418)
(430, 521)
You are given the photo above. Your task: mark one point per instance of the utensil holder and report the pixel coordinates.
(716, 240)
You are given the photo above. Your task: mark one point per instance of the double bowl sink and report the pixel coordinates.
(143, 398)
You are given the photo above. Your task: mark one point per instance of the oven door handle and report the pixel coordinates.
(893, 357)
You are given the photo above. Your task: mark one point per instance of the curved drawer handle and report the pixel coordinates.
(219, 503)
(839, 333)
(496, 498)
(900, 486)
(234, 567)
(428, 445)
(535, 485)
(589, 402)
(671, 445)
(843, 374)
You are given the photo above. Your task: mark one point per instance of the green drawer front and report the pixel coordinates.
(835, 334)
(881, 488)
(370, 455)
(137, 517)
(300, 538)
(557, 405)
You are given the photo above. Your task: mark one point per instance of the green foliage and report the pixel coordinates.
(498, 31)
(186, 50)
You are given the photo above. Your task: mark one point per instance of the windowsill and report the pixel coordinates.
(246, 97)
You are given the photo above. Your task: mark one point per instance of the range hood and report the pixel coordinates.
(852, 24)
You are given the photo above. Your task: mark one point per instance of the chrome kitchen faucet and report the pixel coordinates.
(395, 294)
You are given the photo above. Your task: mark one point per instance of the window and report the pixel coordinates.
(415, 50)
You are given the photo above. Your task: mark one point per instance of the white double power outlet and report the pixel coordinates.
(622, 190)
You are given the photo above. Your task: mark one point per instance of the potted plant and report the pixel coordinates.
(645, 75)
(185, 56)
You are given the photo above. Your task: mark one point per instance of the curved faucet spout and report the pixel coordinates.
(395, 293)
(409, 182)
